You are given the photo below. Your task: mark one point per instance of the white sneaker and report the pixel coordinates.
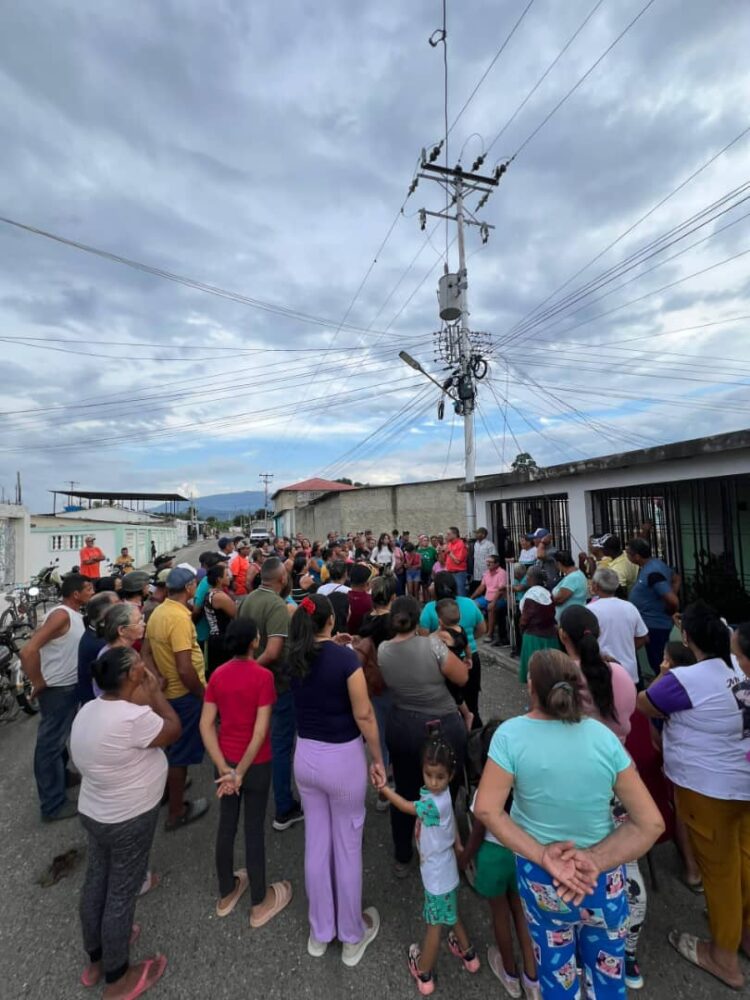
(316, 949)
(352, 953)
(512, 984)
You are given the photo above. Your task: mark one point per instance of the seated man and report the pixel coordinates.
(491, 596)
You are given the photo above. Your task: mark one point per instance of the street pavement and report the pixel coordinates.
(42, 956)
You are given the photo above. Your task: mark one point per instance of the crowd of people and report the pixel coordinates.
(311, 670)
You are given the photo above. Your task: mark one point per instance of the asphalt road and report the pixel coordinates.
(41, 950)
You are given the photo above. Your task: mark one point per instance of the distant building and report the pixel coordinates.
(289, 499)
(117, 520)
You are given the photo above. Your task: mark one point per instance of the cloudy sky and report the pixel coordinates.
(265, 150)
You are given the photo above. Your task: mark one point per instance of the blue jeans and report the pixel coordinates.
(283, 731)
(461, 583)
(57, 708)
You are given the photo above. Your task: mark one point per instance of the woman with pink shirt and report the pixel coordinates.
(608, 694)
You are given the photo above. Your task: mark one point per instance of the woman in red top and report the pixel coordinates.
(242, 692)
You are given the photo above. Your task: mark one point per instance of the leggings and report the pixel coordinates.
(117, 864)
(635, 889)
(332, 781)
(406, 733)
(594, 932)
(254, 797)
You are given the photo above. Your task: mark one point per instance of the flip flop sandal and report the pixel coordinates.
(242, 883)
(686, 945)
(165, 796)
(696, 887)
(88, 980)
(193, 811)
(283, 896)
(153, 970)
(154, 881)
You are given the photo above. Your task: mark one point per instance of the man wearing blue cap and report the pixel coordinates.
(172, 644)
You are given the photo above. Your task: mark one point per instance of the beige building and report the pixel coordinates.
(289, 499)
(414, 507)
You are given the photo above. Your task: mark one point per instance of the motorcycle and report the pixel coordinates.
(20, 614)
(15, 686)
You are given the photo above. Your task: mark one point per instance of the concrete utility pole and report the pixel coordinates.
(457, 344)
(266, 477)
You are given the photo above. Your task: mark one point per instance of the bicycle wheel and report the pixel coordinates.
(8, 619)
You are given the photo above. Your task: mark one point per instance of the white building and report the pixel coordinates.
(60, 535)
(14, 544)
(691, 499)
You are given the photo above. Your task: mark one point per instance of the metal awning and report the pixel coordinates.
(112, 497)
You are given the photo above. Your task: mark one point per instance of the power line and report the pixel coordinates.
(654, 208)
(546, 73)
(192, 282)
(582, 79)
(488, 70)
(343, 399)
(639, 257)
(290, 378)
(641, 298)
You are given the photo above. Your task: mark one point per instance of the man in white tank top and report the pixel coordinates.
(50, 661)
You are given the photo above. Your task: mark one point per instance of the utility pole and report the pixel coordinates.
(457, 345)
(19, 494)
(266, 477)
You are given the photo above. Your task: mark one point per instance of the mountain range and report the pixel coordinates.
(221, 505)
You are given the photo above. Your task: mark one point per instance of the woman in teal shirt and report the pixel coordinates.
(471, 621)
(572, 588)
(564, 769)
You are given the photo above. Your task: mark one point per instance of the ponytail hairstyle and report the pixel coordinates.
(707, 632)
(555, 681)
(111, 668)
(437, 752)
(308, 620)
(582, 628)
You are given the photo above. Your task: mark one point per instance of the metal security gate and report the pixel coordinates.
(700, 527)
(511, 519)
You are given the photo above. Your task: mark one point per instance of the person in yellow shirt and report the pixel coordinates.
(124, 560)
(172, 647)
(614, 558)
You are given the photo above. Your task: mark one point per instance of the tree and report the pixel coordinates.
(523, 462)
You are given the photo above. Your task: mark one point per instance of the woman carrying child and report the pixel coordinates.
(436, 837)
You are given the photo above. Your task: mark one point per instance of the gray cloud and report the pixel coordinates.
(266, 150)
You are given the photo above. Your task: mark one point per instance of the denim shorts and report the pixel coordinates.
(414, 575)
(189, 748)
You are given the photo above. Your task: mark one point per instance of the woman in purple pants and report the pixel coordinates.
(333, 714)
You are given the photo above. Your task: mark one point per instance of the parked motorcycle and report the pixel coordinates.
(20, 614)
(49, 582)
(15, 686)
